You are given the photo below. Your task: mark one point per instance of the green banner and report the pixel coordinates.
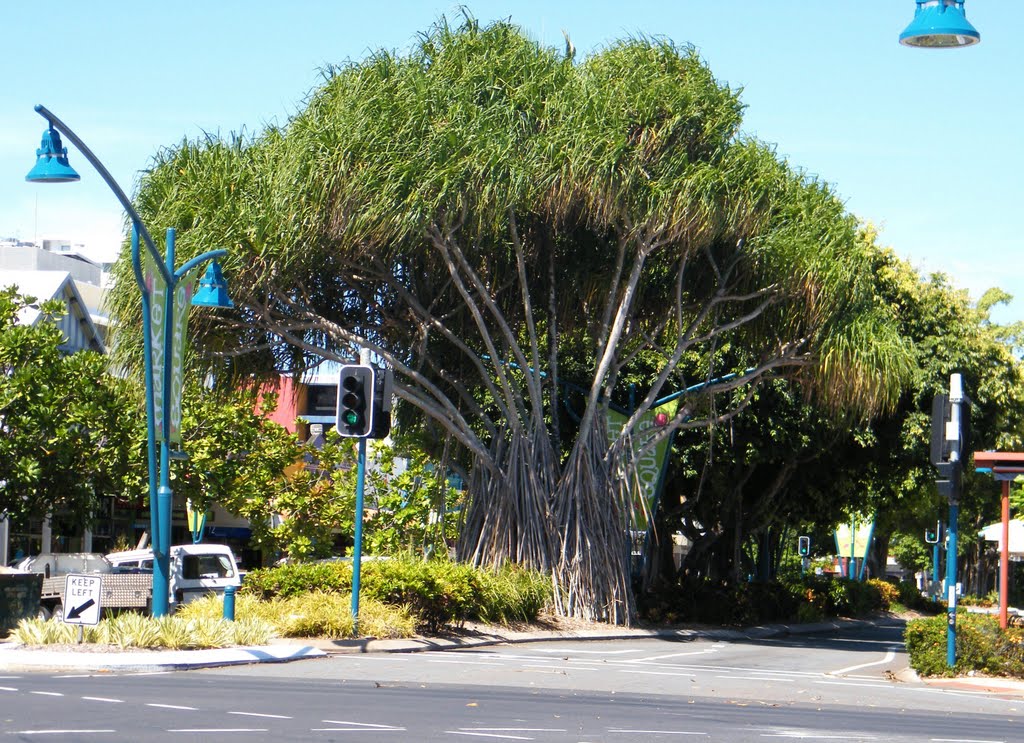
(178, 340)
(647, 481)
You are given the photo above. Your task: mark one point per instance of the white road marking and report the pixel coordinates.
(865, 684)
(518, 730)
(261, 714)
(574, 651)
(171, 706)
(488, 735)
(217, 730)
(102, 699)
(656, 673)
(889, 656)
(817, 736)
(657, 732)
(354, 730)
(56, 732)
(462, 662)
(965, 740)
(673, 655)
(362, 725)
(47, 693)
(7, 688)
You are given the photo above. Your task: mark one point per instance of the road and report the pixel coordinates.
(825, 687)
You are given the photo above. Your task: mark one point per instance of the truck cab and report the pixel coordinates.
(195, 569)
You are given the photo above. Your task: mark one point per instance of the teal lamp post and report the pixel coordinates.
(166, 295)
(940, 24)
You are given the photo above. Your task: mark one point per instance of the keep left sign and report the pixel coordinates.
(82, 598)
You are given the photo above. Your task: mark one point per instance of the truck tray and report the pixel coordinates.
(120, 591)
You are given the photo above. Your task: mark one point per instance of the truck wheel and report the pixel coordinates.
(57, 613)
(43, 614)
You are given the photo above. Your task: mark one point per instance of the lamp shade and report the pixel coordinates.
(52, 161)
(213, 289)
(939, 24)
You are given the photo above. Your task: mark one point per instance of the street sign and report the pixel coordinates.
(82, 599)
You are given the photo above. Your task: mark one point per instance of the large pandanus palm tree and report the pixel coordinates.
(523, 236)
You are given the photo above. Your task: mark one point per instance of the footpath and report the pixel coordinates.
(91, 658)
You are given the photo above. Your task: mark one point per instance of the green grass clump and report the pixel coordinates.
(312, 614)
(129, 630)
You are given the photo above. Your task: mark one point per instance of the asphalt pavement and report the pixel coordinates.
(14, 656)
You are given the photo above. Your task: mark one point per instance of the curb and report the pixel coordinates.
(14, 657)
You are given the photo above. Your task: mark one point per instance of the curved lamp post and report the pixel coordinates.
(940, 24)
(165, 299)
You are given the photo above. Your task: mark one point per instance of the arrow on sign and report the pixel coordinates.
(77, 611)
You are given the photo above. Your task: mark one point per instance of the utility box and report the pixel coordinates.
(19, 598)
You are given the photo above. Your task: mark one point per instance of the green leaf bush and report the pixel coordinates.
(437, 593)
(981, 646)
(808, 598)
(311, 614)
(131, 630)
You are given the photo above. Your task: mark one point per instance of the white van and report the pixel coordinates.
(196, 569)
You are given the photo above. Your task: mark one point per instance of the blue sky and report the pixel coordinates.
(925, 144)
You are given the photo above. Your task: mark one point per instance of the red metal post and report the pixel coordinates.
(1004, 558)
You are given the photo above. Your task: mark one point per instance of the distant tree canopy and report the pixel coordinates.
(524, 236)
(67, 427)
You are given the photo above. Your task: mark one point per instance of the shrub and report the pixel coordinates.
(310, 614)
(512, 594)
(129, 630)
(298, 578)
(888, 593)
(437, 592)
(978, 645)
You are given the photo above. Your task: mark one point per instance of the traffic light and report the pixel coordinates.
(355, 401)
(933, 535)
(803, 546)
(382, 391)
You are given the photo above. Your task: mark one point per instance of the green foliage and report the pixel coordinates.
(131, 630)
(981, 646)
(422, 202)
(809, 598)
(436, 592)
(296, 578)
(888, 593)
(407, 507)
(69, 427)
(910, 552)
(311, 614)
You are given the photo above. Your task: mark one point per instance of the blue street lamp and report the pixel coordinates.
(52, 167)
(940, 24)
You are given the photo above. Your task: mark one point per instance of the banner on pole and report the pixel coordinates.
(853, 539)
(646, 480)
(178, 339)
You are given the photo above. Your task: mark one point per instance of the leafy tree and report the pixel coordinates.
(520, 236)
(237, 457)
(66, 425)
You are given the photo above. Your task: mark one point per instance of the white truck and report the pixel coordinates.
(195, 570)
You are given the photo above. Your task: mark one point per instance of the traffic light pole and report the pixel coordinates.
(953, 436)
(357, 549)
